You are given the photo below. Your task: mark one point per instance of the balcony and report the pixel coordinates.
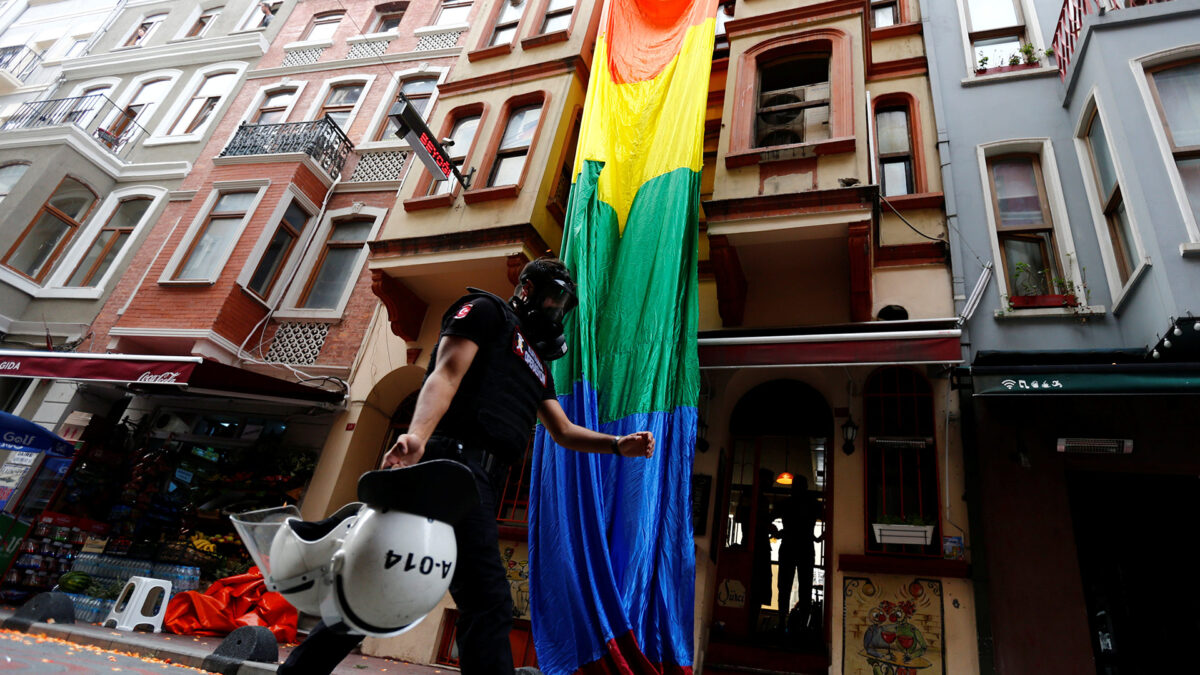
(1070, 23)
(17, 64)
(116, 130)
(322, 140)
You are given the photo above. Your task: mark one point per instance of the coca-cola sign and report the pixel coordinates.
(159, 378)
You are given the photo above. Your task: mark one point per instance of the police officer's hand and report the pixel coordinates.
(406, 452)
(639, 444)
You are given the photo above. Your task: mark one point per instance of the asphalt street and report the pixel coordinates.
(22, 653)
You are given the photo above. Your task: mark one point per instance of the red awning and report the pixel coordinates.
(832, 349)
(192, 373)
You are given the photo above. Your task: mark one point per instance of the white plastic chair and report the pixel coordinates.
(143, 602)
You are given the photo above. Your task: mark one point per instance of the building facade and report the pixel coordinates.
(1067, 137)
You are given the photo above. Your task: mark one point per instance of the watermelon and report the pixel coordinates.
(74, 582)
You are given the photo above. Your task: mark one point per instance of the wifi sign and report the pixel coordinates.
(1008, 384)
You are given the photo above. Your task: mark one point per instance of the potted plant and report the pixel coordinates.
(1034, 291)
(913, 530)
(982, 67)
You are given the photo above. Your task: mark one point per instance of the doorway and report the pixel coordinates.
(771, 542)
(1138, 582)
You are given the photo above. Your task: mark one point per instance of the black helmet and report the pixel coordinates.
(545, 293)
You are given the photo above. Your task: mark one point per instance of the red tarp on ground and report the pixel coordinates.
(229, 604)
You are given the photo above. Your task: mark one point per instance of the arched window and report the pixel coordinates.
(901, 461)
(340, 102)
(203, 22)
(274, 106)
(895, 148)
(9, 175)
(419, 91)
(339, 263)
(463, 135)
(323, 27)
(512, 153)
(110, 241)
(203, 103)
(44, 239)
(145, 28)
(505, 29)
(793, 100)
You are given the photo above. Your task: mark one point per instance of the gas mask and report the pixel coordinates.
(541, 306)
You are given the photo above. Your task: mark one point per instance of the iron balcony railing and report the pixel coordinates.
(19, 60)
(322, 139)
(115, 129)
(1070, 22)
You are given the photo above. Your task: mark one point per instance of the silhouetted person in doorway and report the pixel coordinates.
(796, 553)
(760, 566)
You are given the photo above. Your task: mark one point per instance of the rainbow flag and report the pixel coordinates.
(611, 552)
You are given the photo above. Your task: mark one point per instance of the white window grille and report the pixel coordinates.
(303, 57)
(298, 342)
(378, 166)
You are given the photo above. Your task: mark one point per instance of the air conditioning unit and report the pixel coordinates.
(1096, 446)
(780, 124)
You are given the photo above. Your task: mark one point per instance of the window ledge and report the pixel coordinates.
(438, 30)
(19, 282)
(307, 44)
(1003, 74)
(490, 52)
(890, 564)
(431, 202)
(186, 282)
(1051, 312)
(173, 140)
(371, 146)
(491, 193)
(1127, 290)
(73, 293)
(918, 200)
(897, 30)
(296, 313)
(829, 146)
(372, 37)
(1190, 249)
(546, 39)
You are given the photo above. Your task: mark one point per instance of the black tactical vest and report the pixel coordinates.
(496, 404)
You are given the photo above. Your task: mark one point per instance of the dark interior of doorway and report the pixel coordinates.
(1133, 533)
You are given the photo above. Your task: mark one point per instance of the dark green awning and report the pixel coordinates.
(1051, 381)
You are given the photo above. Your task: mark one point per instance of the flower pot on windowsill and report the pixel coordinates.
(1052, 300)
(898, 533)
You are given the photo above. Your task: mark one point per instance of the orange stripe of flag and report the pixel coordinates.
(644, 35)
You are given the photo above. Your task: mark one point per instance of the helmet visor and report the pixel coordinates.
(556, 298)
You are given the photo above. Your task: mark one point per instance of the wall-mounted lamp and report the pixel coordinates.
(849, 433)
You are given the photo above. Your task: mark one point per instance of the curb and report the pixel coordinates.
(134, 643)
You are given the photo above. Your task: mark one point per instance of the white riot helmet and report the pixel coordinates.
(399, 554)
(301, 553)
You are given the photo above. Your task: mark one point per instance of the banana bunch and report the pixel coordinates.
(201, 544)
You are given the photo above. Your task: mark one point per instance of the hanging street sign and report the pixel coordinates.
(424, 143)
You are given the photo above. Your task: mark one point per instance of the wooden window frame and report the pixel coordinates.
(546, 15)
(381, 132)
(494, 22)
(283, 224)
(903, 99)
(199, 233)
(145, 29)
(321, 19)
(421, 198)
(273, 7)
(212, 101)
(315, 270)
(383, 12)
(1111, 203)
(326, 108)
(200, 26)
(1178, 152)
(263, 108)
(90, 276)
(906, 405)
(566, 168)
(73, 227)
(538, 37)
(1026, 232)
(898, 6)
(835, 42)
(1018, 30)
(491, 155)
(907, 158)
(450, 4)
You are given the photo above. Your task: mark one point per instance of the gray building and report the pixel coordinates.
(90, 163)
(1069, 136)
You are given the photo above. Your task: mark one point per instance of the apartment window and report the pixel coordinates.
(36, 250)
(724, 15)
(323, 27)
(453, 12)
(261, 15)
(202, 104)
(76, 49)
(558, 16)
(338, 264)
(996, 30)
(144, 30)
(793, 101)
(419, 91)
(1024, 228)
(220, 227)
(462, 135)
(505, 30)
(287, 233)
(561, 196)
(895, 151)
(1176, 90)
(9, 175)
(109, 241)
(388, 17)
(340, 102)
(509, 164)
(884, 14)
(200, 27)
(274, 107)
(901, 456)
(1104, 171)
(139, 106)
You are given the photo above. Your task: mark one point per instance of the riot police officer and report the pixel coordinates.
(488, 381)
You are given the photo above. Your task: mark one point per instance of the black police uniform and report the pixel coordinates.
(486, 427)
